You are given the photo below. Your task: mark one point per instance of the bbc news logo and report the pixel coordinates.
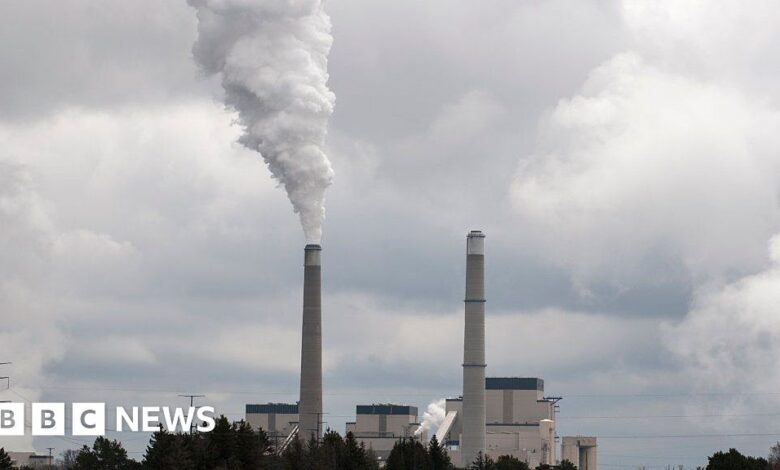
(89, 419)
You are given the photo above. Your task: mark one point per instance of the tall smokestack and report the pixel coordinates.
(474, 350)
(310, 406)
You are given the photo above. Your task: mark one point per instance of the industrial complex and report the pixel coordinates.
(491, 416)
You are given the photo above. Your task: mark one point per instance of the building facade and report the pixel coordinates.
(581, 451)
(380, 426)
(520, 422)
(277, 419)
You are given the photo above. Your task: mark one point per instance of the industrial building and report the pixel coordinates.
(29, 460)
(581, 451)
(493, 416)
(278, 420)
(519, 421)
(380, 426)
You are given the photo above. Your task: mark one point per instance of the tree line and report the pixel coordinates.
(237, 446)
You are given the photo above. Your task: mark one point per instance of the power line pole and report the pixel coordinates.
(51, 459)
(192, 398)
(554, 409)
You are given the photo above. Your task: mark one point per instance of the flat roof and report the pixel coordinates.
(386, 409)
(268, 408)
(514, 383)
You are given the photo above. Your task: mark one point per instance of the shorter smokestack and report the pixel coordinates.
(474, 351)
(310, 406)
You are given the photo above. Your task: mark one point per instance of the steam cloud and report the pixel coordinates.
(730, 339)
(668, 157)
(432, 417)
(272, 58)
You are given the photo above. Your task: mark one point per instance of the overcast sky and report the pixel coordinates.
(622, 157)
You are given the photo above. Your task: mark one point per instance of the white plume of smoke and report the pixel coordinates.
(669, 153)
(730, 340)
(432, 417)
(28, 336)
(272, 58)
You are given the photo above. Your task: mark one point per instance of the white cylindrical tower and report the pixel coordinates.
(473, 438)
(310, 406)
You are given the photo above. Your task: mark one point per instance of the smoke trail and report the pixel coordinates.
(272, 58)
(432, 417)
(730, 339)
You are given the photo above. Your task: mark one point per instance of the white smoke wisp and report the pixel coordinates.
(432, 417)
(272, 58)
(731, 337)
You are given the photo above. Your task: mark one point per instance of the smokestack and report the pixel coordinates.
(310, 406)
(474, 350)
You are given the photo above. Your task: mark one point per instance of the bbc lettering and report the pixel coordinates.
(89, 419)
(11, 419)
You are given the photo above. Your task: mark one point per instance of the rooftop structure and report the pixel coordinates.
(380, 426)
(276, 419)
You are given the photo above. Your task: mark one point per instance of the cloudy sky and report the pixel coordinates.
(623, 158)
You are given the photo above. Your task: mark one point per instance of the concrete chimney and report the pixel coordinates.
(310, 406)
(473, 439)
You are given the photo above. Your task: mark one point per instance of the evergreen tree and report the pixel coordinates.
(567, 465)
(268, 458)
(508, 462)
(733, 460)
(483, 462)
(311, 455)
(167, 451)
(372, 461)
(105, 454)
(354, 453)
(249, 445)
(356, 457)
(5, 460)
(438, 455)
(86, 459)
(408, 454)
(197, 447)
(220, 444)
(332, 453)
(294, 456)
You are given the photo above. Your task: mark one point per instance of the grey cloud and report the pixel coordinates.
(521, 52)
(81, 53)
(141, 220)
(635, 169)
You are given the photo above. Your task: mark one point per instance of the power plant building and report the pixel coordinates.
(278, 420)
(581, 451)
(519, 422)
(494, 416)
(380, 426)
